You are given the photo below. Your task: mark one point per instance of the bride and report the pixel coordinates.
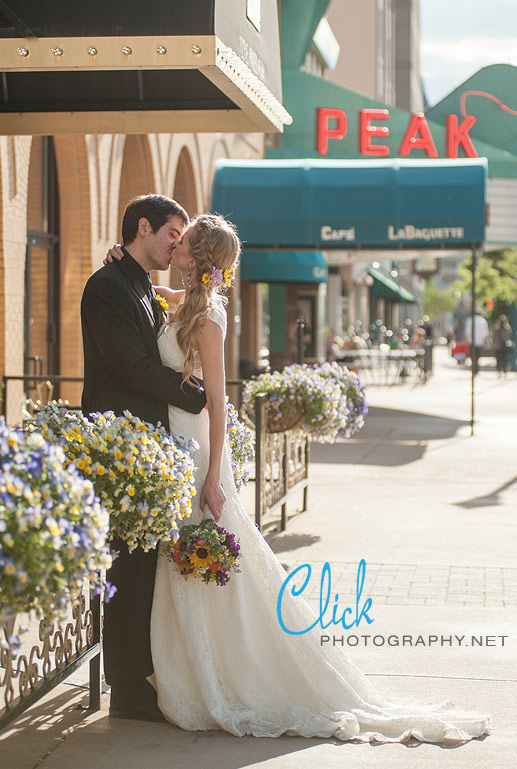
(221, 659)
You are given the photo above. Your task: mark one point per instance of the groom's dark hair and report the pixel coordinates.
(157, 209)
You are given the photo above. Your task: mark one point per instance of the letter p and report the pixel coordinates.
(323, 130)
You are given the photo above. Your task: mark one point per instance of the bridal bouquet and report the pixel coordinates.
(53, 528)
(206, 551)
(143, 476)
(242, 446)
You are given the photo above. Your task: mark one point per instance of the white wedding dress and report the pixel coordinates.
(222, 661)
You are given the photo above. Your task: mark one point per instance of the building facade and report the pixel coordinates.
(99, 109)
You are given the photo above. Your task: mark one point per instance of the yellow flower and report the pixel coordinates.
(131, 491)
(162, 302)
(59, 566)
(205, 278)
(101, 470)
(201, 558)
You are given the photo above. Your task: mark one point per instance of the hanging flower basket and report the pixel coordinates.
(142, 474)
(324, 401)
(279, 423)
(53, 528)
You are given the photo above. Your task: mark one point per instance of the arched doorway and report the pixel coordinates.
(184, 183)
(185, 193)
(136, 177)
(42, 296)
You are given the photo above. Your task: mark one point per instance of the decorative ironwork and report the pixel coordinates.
(26, 675)
(281, 465)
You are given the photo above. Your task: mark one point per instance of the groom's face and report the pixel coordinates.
(159, 246)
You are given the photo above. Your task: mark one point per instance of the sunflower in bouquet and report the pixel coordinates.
(143, 475)
(206, 551)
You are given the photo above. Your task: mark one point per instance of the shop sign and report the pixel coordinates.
(405, 232)
(409, 232)
(332, 123)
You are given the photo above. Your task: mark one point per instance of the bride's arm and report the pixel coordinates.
(172, 296)
(209, 341)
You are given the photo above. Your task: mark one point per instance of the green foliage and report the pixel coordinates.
(437, 302)
(495, 278)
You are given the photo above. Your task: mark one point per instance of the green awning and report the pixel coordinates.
(284, 267)
(386, 287)
(325, 205)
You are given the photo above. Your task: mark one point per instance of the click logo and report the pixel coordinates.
(347, 618)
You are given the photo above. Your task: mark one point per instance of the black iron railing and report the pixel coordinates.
(281, 466)
(28, 674)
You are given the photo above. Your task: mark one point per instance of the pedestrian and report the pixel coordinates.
(478, 340)
(502, 343)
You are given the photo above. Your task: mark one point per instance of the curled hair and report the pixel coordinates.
(213, 242)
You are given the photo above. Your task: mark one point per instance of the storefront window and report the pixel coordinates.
(41, 328)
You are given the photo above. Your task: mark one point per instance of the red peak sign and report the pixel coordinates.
(373, 128)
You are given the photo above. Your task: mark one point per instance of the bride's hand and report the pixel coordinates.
(115, 252)
(213, 496)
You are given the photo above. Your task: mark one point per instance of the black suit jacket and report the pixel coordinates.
(122, 367)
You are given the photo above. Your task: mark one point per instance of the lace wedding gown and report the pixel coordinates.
(222, 661)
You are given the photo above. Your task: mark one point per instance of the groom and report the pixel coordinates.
(123, 370)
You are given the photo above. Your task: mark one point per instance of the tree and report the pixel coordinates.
(437, 302)
(495, 279)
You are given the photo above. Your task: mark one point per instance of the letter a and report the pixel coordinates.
(460, 135)
(411, 141)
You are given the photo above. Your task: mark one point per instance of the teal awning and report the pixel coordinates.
(386, 287)
(284, 267)
(345, 204)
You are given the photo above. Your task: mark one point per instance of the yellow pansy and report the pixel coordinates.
(162, 302)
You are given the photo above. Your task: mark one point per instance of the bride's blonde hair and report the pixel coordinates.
(213, 243)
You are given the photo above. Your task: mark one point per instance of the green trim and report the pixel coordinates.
(388, 288)
(284, 267)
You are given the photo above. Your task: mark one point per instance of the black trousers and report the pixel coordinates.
(502, 358)
(127, 618)
(475, 355)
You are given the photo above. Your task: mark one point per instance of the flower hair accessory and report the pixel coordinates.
(217, 277)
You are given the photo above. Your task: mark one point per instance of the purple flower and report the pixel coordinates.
(110, 591)
(216, 276)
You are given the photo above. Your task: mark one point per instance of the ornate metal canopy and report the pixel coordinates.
(100, 67)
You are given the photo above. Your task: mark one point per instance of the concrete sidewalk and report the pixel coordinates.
(432, 512)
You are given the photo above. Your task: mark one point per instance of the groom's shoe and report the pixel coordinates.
(141, 703)
(139, 715)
